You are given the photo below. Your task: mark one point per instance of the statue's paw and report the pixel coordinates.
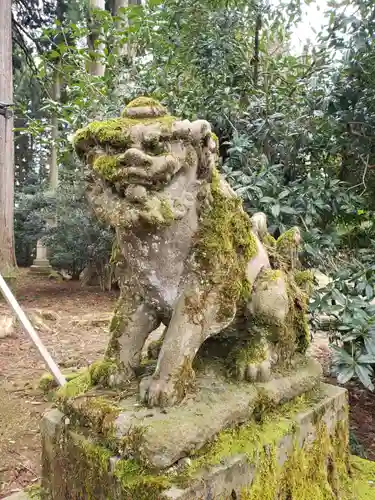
(258, 372)
(157, 392)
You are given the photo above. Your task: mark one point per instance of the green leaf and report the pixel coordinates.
(344, 374)
(369, 291)
(275, 209)
(363, 373)
(288, 210)
(369, 342)
(366, 359)
(338, 297)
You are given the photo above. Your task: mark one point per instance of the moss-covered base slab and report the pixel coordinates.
(158, 438)
(297, 452)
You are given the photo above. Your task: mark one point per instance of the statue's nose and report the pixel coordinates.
(136, 157)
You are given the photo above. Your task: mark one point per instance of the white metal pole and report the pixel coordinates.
(28, 327)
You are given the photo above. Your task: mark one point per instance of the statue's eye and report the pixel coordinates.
(155, 147)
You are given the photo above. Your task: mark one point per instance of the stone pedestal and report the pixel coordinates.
(287, 437)
(41, 263)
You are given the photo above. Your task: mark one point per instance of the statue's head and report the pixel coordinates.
(145, 166)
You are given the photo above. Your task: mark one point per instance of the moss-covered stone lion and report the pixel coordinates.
(192, 259)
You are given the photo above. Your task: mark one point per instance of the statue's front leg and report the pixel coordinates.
(130, 326)
(192, 322)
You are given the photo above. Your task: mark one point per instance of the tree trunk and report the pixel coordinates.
(7, 255)
(53, 173)
(96, 66)
(121, 24)
(127, 49)
(258, 26)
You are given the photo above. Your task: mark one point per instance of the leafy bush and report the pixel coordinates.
(313, 201)
(347, 299)
(77, 239)
(29, 222)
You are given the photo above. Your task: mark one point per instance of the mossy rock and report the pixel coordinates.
(47, 382)
(97, 374)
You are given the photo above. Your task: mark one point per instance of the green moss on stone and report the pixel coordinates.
(116, 131)
(116, 328)
(287, 239)
(137, 483)
(101, 413)
(315, 471)
(47, 383)
(34, 492)
(363, 473)
(297, 317)
(91, 475)
(304, 279)
(116, 254)
(272, 274)
(141, 102)
(216, 139)
(166, 211)
(106, 166)
(253, 352)
(96, 374)
(269, 241)
(248, 439)
(225, 245)
(287, 246)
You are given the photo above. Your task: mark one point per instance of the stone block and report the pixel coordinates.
(41, 267)
(301, 444)
(159, 437)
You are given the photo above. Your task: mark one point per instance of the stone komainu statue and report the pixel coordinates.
(192, 259)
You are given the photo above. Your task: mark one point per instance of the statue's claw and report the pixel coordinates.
(158, 392)
(260, 372)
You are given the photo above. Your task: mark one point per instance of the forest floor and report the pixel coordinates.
(72, 322)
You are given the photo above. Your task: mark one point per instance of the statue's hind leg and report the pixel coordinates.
(194, 320)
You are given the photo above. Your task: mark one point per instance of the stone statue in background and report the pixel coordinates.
(192, 259)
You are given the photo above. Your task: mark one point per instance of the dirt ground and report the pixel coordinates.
(72, 322)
